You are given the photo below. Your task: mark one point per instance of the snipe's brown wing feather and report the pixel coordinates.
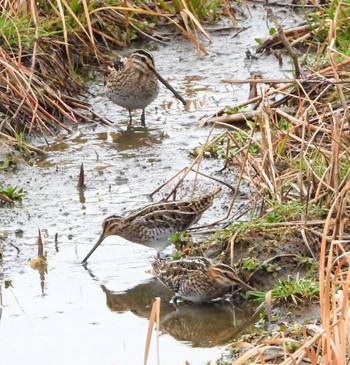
(199, 205)
(193, 264)
(167, 219)
(160, 207)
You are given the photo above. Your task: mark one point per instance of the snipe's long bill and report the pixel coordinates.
(153, 224)
(132, 83)
(197, 279)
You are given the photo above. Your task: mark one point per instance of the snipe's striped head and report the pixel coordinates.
(110, 226)
(142, 60)
(223, 274)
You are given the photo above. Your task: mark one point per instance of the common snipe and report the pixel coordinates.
(132, 82)
(152, 225)
(197, 279)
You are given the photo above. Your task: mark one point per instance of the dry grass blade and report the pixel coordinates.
(127, 23)
(187, 33)
(40, 246)
(81, 179)
(230, 13)
(5, 199)
(154, 319)
(40, 263)
(184, 172)
(331, 314)
(267, 352)
(303, 161)
(65, 33)
(24, 93)
(194, 20)
(268, 305)
(88, 20)
(14, 141)
(215, 360)
(302, 32)
(49, 42)
(273, 91)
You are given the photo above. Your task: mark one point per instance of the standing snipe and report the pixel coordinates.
(152, 225)
(132, 82)
(197, 279)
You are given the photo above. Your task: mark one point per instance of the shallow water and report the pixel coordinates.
(99, 314)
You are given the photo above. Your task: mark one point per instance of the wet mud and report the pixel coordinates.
(98, 314)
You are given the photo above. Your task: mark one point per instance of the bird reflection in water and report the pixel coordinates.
(204, 325)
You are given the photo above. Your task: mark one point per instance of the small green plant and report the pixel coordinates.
(251, 264)
(21, 141)
(13, 193)
(307, 261)
(245, 227)
(228, 145)
(344, 167)
(8, 283)
(261, 323)
(8, 162)
(183, 244)
(229, 110)
(292, 210)
(292, 290)
(202, 9)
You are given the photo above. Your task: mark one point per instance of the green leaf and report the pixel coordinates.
(272, 31)
(8, 283)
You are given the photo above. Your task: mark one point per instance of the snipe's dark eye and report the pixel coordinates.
(226, 274)
(143, 55)
(118, 64)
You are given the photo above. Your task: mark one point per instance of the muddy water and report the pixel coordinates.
(99, 314)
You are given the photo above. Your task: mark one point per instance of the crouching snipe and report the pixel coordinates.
(197, 279)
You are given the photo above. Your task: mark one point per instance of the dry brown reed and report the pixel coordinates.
(5, 199)
(327, 342)
(44, 45)
(304, 156)
(81, 178)
(301, 154)
(153, 320)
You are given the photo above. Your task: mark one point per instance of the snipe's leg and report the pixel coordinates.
(175, 299)
(143, 118)
(130, 117)
(129, 127)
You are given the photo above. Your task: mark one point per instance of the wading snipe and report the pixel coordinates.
(132, 83)
(152, 225)
(197, 279)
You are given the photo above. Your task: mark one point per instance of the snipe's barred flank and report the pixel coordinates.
(132, 83)
(152, 225)
(197, 279)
